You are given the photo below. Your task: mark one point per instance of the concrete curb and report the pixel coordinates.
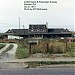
(68, 59)
(58, 66)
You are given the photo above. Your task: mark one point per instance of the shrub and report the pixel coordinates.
(40, 48)
(56, 47)
(48, 47)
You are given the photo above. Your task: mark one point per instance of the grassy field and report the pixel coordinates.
(22, 52)
(2, 45)
(46, 47)
(71, 53)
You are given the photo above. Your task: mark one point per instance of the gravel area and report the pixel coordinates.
(12, 65)
(40, 55)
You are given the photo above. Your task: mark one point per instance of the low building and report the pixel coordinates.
(39, 31)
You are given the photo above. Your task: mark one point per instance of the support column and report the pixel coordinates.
(28, 36)
(34, 35)
(42, 35)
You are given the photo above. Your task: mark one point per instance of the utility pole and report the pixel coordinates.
(19, 29)
(19, 22)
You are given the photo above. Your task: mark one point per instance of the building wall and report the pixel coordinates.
(14, 37)
(37, 28)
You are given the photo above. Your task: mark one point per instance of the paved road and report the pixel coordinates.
(45, 71)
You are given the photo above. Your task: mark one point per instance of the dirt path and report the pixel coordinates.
(4, 48)
(13, 50)
(9, 54)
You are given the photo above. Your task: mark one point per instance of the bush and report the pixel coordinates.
(56, 47)
(40, 48)
(48, 47)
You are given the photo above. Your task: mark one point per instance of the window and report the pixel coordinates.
(37, 29)
(32, 30)
(43, 29)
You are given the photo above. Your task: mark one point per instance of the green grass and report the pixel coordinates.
(9, 48)
(71, 53)
(22, 52)
(2, 45)
(42, 63)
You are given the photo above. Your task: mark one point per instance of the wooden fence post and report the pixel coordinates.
(30, 48)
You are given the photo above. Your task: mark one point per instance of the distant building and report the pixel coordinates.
(39, 31)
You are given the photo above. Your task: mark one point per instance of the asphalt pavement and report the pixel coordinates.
(44, 71)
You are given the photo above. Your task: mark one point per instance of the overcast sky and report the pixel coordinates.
(60, 15)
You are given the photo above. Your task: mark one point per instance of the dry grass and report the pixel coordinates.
(49, 47)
